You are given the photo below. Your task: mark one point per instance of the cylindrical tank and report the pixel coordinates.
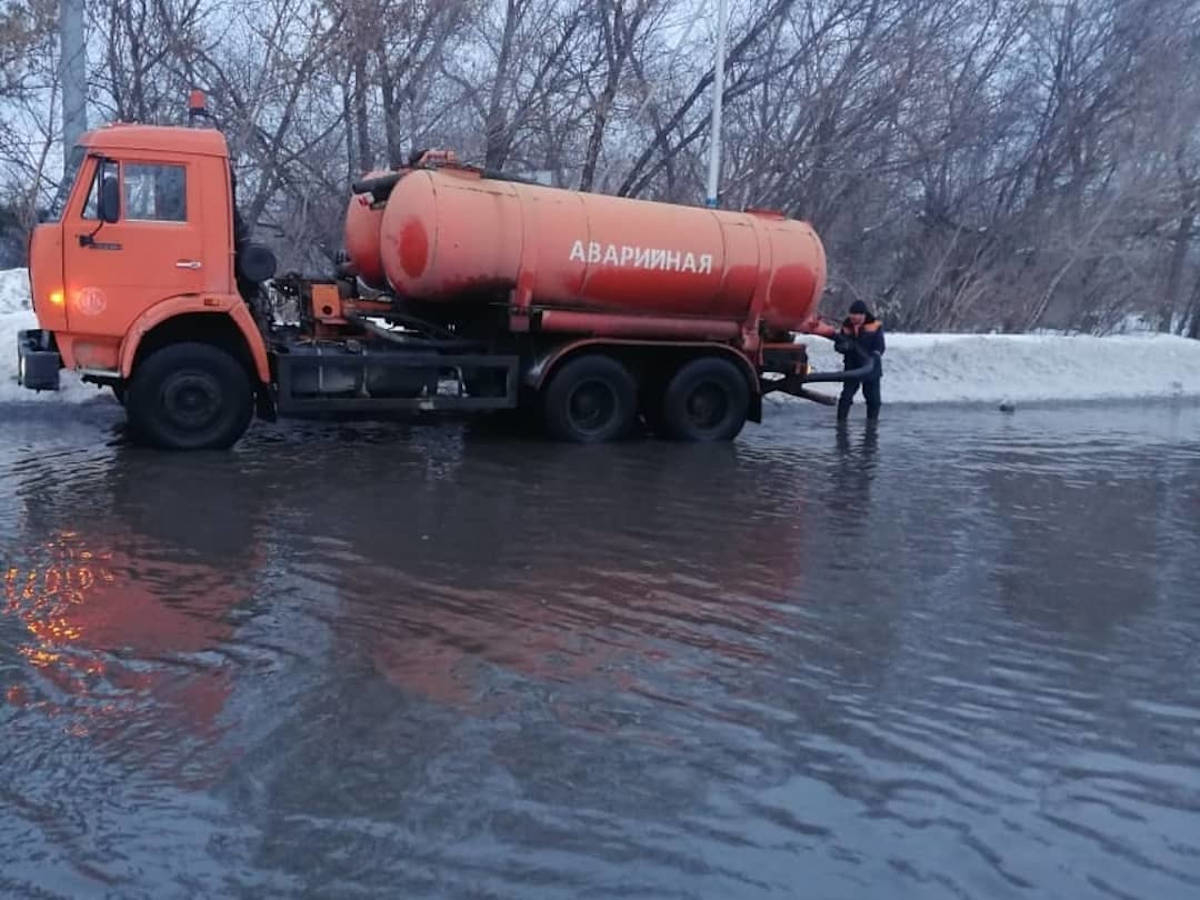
(363, 219)
(449, 233)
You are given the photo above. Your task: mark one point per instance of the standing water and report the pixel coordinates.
(955, 656)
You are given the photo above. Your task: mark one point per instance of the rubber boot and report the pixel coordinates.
(871, 394)
(846, 400)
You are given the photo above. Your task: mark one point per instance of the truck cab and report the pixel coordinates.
(139, 253)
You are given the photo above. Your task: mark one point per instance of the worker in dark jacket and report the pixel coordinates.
(860, 341)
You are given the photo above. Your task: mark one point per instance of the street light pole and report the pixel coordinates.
(72, 73)
(714, 157)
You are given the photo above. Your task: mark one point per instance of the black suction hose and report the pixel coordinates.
(378, 187)
(861, 373)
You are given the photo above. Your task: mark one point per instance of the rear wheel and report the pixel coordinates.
(189, 396)
(706, 400)
(590, 399)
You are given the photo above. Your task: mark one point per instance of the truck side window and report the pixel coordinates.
(105, 171)
(157, 193)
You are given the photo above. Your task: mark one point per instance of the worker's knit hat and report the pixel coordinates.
(859, 307)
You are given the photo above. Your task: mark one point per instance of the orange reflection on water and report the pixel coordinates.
(100, 628)
(44, 598)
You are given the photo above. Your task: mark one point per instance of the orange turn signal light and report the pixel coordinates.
(56, 298)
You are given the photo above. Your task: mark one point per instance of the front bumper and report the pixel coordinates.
(38, 361)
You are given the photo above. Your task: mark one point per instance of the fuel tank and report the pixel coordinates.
(450, 234)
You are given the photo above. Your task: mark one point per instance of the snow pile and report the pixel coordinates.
(14, 290)
(16, 315)
(993, 368)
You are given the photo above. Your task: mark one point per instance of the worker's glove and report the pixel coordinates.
(843, 344)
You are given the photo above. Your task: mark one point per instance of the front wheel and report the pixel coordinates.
(706, 400)
(189, 396)
(590, 399)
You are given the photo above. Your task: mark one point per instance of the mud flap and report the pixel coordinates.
(37, 360)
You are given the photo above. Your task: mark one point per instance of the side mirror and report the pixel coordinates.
(110, 200)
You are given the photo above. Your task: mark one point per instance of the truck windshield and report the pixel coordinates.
(59, 203)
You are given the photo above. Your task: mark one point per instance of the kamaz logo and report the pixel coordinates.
(641, 257)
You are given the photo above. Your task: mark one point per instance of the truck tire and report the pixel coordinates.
(706, 400)
(189, 396)
(589, 400)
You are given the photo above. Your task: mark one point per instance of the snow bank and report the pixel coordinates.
(16, 315)
(918, 368)
(993, 368)
(14, 290)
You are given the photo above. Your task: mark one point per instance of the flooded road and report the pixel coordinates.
(955, 657)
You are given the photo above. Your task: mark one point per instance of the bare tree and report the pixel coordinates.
(29, 112)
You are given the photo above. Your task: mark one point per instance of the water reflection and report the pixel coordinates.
(853, 473)
(122, 617)
(531, 563)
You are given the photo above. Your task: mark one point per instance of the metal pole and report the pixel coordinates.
(714, 158)
(73, 74)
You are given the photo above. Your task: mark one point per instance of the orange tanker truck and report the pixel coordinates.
(460, 290)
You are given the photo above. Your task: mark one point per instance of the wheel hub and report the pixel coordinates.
(191, 399)
(707, 405)
(592, 406)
